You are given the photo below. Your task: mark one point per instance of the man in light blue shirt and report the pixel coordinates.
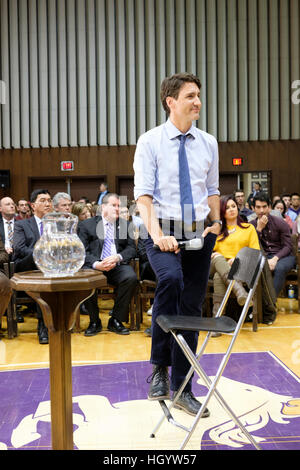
(294, 209)
(176, 188)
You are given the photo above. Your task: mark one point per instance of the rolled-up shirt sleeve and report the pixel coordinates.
(212, 182)
(144, 168)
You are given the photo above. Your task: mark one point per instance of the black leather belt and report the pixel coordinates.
(180, 227)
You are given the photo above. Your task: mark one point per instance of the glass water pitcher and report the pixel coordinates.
(59, 252)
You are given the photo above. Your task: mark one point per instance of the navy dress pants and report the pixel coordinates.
(181, 287)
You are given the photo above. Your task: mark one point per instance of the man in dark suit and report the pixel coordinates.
(7, 221)
(26, 234)
(5, 288)
(109, 248)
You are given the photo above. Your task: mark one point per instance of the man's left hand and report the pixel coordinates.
(272, 263)
(215, 228)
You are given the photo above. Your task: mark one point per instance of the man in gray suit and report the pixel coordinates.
(109, 248)
(26, 234)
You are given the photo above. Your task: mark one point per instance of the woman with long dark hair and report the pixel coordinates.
(235, 235)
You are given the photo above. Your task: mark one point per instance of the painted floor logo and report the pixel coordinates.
(111, 411)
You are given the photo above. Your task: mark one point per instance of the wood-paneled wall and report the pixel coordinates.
(279, 157)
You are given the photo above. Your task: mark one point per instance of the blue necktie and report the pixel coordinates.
(186, 197)
(41, 228)
(108, 241)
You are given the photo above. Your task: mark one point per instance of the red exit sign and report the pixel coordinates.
(237, 161)
(67, 166)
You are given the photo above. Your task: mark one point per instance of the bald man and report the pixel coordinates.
(7, 222)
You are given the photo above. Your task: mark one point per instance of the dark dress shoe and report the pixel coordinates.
(43, 335)
(188, 403)
(83, 310)
(159, 384)
(20, 318)
(93, 328)
(116, 326)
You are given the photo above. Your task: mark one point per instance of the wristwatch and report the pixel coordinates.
(217, 222)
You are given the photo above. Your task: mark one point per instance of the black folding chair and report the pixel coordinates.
(247, 267)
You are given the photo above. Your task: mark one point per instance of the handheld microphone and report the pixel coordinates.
(194, 244)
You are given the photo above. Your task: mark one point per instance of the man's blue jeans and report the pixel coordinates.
(283, 266)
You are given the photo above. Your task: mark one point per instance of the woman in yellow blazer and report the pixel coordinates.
(235, 235)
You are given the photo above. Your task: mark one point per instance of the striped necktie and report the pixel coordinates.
(10, 232)
(108, 241)
(186, 197)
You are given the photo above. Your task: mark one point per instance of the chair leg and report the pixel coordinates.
(254, 312)
(132, 314)
(12, 325)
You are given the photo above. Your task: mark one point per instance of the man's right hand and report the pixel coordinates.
(167, 243)
(261, 223)
(107, 264)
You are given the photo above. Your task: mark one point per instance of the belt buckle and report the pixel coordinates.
(190, 227)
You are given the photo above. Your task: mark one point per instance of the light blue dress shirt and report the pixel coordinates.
(156, 169)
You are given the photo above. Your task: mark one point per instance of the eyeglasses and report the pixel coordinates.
(43, 201)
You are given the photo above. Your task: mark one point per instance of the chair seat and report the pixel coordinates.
(181, 322)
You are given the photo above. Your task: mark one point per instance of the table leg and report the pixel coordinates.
(60, 306)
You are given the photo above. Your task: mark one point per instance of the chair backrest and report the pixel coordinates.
(295, 241)
(246, 266)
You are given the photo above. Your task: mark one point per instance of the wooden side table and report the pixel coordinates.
(59, 300)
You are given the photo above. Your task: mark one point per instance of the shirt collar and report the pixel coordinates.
(106, 222)
(38, 220)
(173, 132)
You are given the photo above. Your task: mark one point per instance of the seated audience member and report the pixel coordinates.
(23, 209)
(244, 211)
(146, 272)
(136, 218)
(279, 205)
(275, 238)
(109, 248)
(294, 209)
(275, 198)
(95, 210)
(81, 210)
(83, 200)
(286, 199)
(7, 222)
(235, 235)
(26, 234)
(4, 256)
(257, 189)
(296, 229)
(124, 213)
(62, 202)
(5, 287)
(103, 188)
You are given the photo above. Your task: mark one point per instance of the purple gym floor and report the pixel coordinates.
(268, 398)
